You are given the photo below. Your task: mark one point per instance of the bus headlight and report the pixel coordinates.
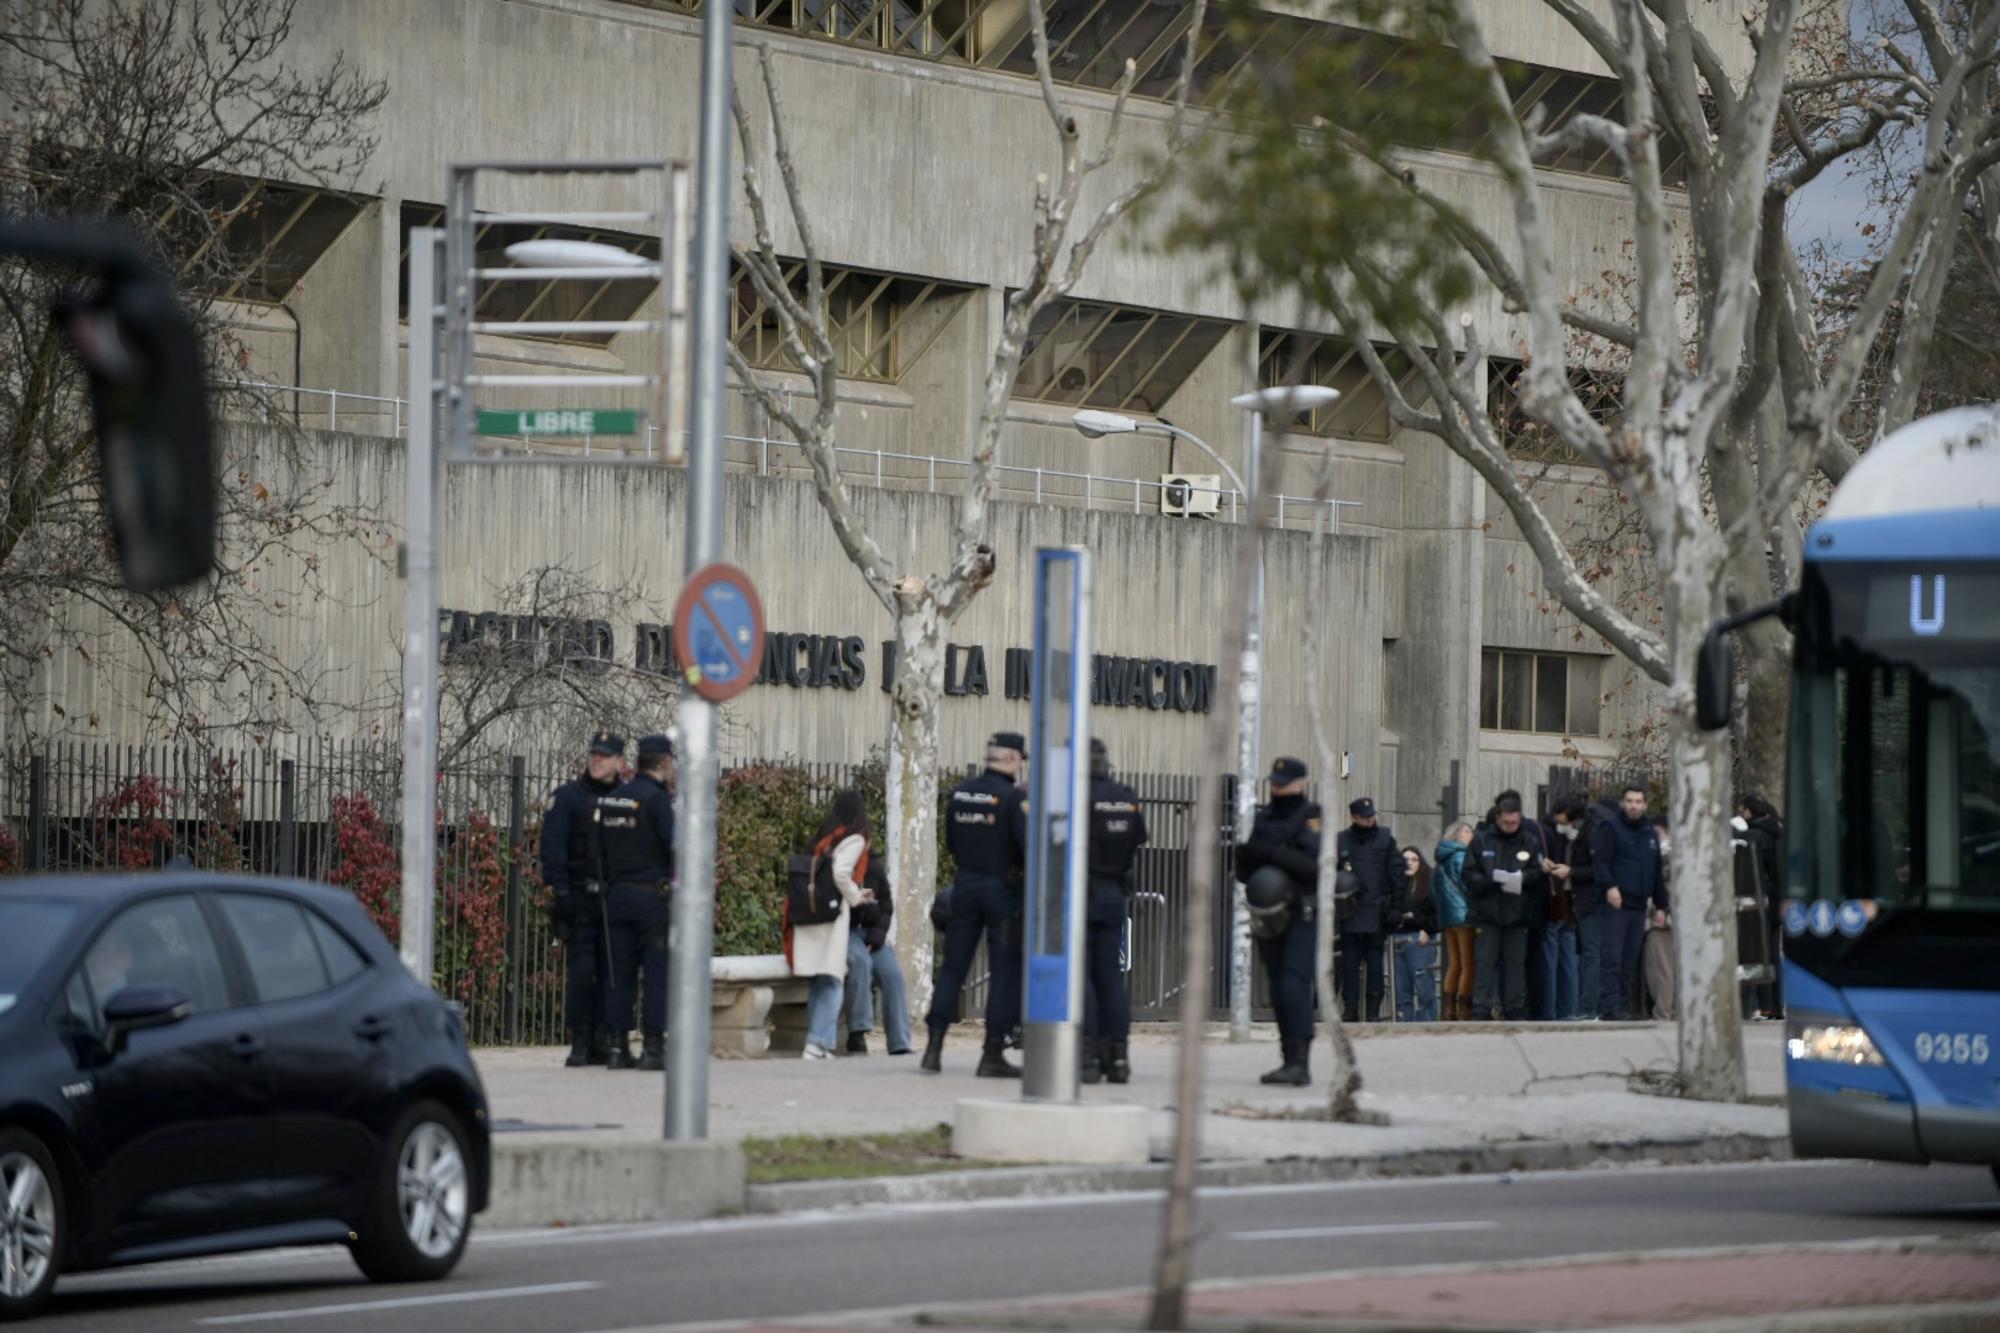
(1835, 1045)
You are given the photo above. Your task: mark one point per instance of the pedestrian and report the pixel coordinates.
(1586, 899)
(986, 832)
(1117, 832)
(871, 963)
(1284, 839)
(1764, 830)
(819, 952)
(1504, 881)
(1414, 945)
(637, 824)
(1625, 859)
(1368, 850)
(1562, 978)
(1455, 921)
(574, 874)
(1659, 947)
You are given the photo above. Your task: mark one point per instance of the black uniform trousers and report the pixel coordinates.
(639, 921)
(584, 981)
(1358, 949)
(1288, 963)
(1107, 1007)
(981, 905)
(1502, 955)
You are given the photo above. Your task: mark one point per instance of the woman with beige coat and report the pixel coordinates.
(820, 952)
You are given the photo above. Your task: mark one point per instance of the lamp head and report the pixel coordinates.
(1093, 424)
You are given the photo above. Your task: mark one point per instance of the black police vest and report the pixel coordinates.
(581, 847)
(1114, 829)
(633, 849)
(978, 828)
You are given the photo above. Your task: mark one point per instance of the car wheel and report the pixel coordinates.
(31, 1225)
(420, 1211)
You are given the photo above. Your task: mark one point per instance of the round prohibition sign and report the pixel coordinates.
(719, 632)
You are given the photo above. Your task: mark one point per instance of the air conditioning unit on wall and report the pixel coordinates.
(1190, 495)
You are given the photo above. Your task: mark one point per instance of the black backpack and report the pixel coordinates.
(811, 896)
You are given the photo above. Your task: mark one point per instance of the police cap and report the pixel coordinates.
(608, 742)
(1010, 740)
(1287, 770)
(655, 747)
(1361, 808)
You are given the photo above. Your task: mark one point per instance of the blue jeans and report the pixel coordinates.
(865, 971)
(1590, 963)
(1416, 980)
(1559, 971)
(823, 1012)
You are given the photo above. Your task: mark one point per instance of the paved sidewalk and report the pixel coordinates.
(1443, 1088)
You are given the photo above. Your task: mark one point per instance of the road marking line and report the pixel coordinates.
(403, 1303)
(1380, 1229)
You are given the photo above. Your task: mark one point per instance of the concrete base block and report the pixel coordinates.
(995, 1130)
(545, 1182)
(737, 1017)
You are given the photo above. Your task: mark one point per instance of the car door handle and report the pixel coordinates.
(373, 1028)
(248, 1044)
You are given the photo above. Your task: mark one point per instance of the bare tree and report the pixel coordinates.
(1720, 423)
(924, 605)
(166, 114)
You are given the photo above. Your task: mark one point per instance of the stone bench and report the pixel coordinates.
(757, 1007)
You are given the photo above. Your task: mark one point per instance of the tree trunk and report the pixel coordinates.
(1767, 649)
(1706, 1004)
(912, 804)
(1344, 1079)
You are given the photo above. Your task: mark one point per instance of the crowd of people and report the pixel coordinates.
(1511, 917)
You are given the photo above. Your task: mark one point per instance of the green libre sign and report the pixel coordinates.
(560, 421)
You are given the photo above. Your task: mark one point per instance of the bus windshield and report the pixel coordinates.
(1895, 736)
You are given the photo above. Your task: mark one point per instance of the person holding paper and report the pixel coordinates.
(1505, 885)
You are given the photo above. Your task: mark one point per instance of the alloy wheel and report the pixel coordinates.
(27, 1226)
(433, 1193)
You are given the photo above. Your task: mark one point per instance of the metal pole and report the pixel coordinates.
(1247, 744)
(694, 898)
(420, 611)
(288, 817)
(38, 812)
(517, 812)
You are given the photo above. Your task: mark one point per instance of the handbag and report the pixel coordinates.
(811, 896)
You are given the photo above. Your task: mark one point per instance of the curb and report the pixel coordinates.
(567, 1182)
(1944, 1317)
(1071, 1181)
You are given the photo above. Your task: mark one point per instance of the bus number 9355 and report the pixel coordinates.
(1953, 1048)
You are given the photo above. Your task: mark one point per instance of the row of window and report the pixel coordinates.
(289, 952)
(1554, 694)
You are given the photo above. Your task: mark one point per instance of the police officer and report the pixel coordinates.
(1368, 850)
(637, 821)
(986, 833)
(1285, 837)
(570, 867)
(1117, 832)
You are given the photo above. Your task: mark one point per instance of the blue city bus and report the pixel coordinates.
(1891, 922)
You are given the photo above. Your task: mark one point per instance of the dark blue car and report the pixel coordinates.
(195, 1063)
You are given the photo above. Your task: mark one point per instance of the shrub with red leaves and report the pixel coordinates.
(472, 910)
(131, 835)
(12, 862)
(365, 861)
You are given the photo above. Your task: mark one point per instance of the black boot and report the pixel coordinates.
(857, 1043)
(579, 1050)
(1293, 1073)
(933, 1061)
(654, 1057)
(1090, 1061)
(1278, 1075)
(1117, 1062)
(618, 1050)
(993, 1062)
(600, 1048)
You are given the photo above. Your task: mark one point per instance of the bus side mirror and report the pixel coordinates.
(1714, 676)
(155, 450)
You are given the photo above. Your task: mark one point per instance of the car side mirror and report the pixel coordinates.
(139, 1007)
(1714, 678)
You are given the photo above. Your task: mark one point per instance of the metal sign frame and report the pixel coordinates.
(1059, 824)
(717, 689)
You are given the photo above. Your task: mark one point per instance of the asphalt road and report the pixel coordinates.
(646, 1276)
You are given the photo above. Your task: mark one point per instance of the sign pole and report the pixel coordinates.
(421, 494)
(1059, 824)
(693, 939)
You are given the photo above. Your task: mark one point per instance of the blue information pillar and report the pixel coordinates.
(1058, 791)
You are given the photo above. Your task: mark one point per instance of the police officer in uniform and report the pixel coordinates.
(986, 832)
(1117, 832)
(570, 867)
(637, 821)
(1368, 849)
(1285, 838)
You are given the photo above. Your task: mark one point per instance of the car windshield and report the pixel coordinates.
(28, 930)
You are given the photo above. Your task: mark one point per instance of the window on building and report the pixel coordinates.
(1602, 393)
(1087, 354)
(1090, 41)
(557, 299)
(1551, 693)
(1362, 411)
(880, 323)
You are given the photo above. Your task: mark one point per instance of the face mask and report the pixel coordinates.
(1569, 831)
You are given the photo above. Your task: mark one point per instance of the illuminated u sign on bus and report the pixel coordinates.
(1920, 624)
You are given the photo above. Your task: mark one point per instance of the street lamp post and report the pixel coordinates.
(1280, 401)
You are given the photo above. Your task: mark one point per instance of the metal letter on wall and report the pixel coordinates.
(1058, 822)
